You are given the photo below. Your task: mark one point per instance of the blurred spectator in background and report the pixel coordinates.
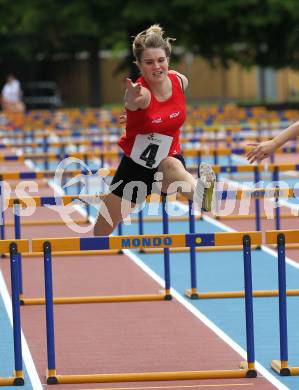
(11, 95)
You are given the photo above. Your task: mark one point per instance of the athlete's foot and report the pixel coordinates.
(205, 186)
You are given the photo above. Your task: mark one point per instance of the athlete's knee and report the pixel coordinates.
(169, 164)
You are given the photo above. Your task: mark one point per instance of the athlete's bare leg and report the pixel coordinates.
(174, 171)
(112, 211)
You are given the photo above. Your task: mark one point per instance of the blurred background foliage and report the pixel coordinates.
(251, 32)
(262, 33)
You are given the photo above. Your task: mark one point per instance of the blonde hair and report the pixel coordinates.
(151, 38)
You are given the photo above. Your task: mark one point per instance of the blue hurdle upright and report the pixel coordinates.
(14, 248)
(281, 238)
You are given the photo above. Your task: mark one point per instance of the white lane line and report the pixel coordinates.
(27, 358)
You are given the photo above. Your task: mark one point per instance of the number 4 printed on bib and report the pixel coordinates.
(149, 154)
(150, 149)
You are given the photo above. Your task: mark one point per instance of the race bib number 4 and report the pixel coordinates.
(150, 149)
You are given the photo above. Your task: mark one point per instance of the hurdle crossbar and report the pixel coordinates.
(47, 222)
(290, 236)
(252, 216)
(113, 252)
(53, 378)
(147, 241)
(22, 245)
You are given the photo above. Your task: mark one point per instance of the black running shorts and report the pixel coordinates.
(137, 181)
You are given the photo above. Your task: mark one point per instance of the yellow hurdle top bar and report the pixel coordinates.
(291, 236)
(22, 245)
(146, 241)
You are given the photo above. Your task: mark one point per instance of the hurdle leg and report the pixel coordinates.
(277, 209)
(2, 216)
(14, 269)
(87, 187)
(282, 366)
(51, 372)
(250, 364)
(192, 293)
(120, 233)
(257, 202)
(166, 253)
(141, 227)
(276, 198)
(17, 227)
(45, 151)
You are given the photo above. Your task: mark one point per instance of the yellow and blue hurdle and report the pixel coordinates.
(63, 300)
(246, 239)
(193, 293)
(14, 248)
(281, 238)
(45, 201)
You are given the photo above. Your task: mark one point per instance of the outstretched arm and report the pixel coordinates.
(265, 149)
(136, 96)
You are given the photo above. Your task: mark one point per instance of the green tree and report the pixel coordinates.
(251, 32)
(32, 28)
